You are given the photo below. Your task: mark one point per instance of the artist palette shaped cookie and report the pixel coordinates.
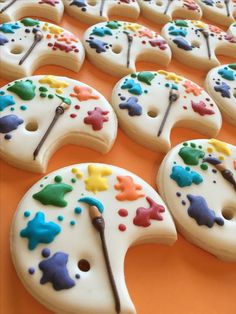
(195, 43)
(47, 112)
(95, 11)
(161, 12)
(12, 10)
(221, 85)
(72, 230)
(27, 44)
(232, 30)
(197, 181)
(150, 104)
(222, 12)
(114, 46)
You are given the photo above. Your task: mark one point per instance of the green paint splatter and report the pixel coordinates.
(146, 77)
(53, 194)
(24, 89)
(113, 24)
(232, 66)
(30, 22)
(191, 155)
(65, 99)
(181, 23)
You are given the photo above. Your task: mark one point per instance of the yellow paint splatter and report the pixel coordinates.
(134, 27)
(220, 147)
(171, 76)
(199, 24)
(95, 181)
(53, 82)
(53, 29)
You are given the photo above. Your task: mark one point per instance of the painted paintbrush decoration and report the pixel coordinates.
(130, 41)
(205, 33)
(226, 173)
(227, 7)
(173, 97)
(58, 112)
(168, 6)
(38, 36)
(7, 6)
(101, 7)
(95, 212)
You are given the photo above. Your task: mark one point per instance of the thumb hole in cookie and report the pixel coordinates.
(229, 213)
(92, 3)
(31, 126)
(116, 49)
(152, 113)
(16, 50)
(84, 265)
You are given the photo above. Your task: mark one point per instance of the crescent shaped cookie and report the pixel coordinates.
(220, 12)
(47, 112)
(95, 11)
(161, 12)
(232, 30)
(72, 230)
(197, 181)
(195, 43)
(28, 44)
(221, 85)
(13, 10)
(150, 104)
(114, 46)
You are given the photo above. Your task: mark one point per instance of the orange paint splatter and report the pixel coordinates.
(129, 189)
(83, 93)
(192, 88)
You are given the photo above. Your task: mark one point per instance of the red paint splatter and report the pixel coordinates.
(96, 118)
(63, 47)
(161, 43)
(191, 5)
(125, 1)
(122, 227)
(50, 2)
(201, 108)
(123, 212)
(144, 215)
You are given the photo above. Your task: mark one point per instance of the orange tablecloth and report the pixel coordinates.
(181, 279)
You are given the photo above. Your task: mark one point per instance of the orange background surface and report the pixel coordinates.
(181, 279)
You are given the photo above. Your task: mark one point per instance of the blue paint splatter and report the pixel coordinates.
(185, 177)
(134, 109)
(132, 86)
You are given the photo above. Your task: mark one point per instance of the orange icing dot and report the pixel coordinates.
(129, 189)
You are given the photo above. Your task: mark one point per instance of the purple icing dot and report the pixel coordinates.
(122, 98)
(31, 270)
(46, 252)
(214, 181)
(77, 276)
(183, 203)
(178, 194)
(7, 136)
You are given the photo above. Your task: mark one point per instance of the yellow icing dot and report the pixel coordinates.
(77, 173)
(220, 146)
(221, 157)
(171, 76)
(54, 83)
(73, 170)
(95, 181)
(198, 24)
(210, 149)
(134, 27)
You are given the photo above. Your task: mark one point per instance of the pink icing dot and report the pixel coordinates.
(123, 212)
(77, 107)
(122, 227)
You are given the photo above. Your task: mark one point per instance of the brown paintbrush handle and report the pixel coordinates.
(7, 6)
(37, 38)
(130, 41)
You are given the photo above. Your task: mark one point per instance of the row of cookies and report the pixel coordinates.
(94, 11)
(28, 44)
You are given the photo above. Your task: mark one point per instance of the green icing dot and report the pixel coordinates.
(2, 92)
(191, 155)
(41, 185)
(53, 194)
(12, 108)
(193, 145)
(50, 96)
(77, 210)
(72, 222)
(181, 23)
(185, 144)
(26, 213)
(23, 107)
(73, 180)
(60, 218)
(204, 166)
(43, 89)
(24, 89)
(65, 99)
(30, 22)
(133, 75)
(146, 77)
(58, 179)
(45, 178)
(43, 95)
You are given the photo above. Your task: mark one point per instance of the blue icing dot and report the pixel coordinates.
(72, 222)
(182, 44)
(60, 218)
(177, 31)
(132, 86)
(78, 210)
(200, 211)
(55, 271)
(2, 92)
(23, 107)
(134, 109)
(39, 231)
(77, 276)
(46, 252)
(101, 31)
(5, 101)
(9, 123)
(227, 74)
(3, 40)
(7, 136)
(31, 270)
(97, 44)
(9, 27)
(185, 177)
(27, 213)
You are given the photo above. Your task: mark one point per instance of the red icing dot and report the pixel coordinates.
(143, 42)
(122, 227)
(50, 44)
(73, 115)
(185, 107)
(77, 107)
(123, 212)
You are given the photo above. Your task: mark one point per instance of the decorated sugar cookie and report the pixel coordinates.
(195, 43)
(47, 112)
(222, 12)
(27, 44)
(12, 10)
(232, 30)
(72, 230)
(114, 46)
(150, 104)
(221, 85)
(94, 11)
(197, 179)
(162, 12)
